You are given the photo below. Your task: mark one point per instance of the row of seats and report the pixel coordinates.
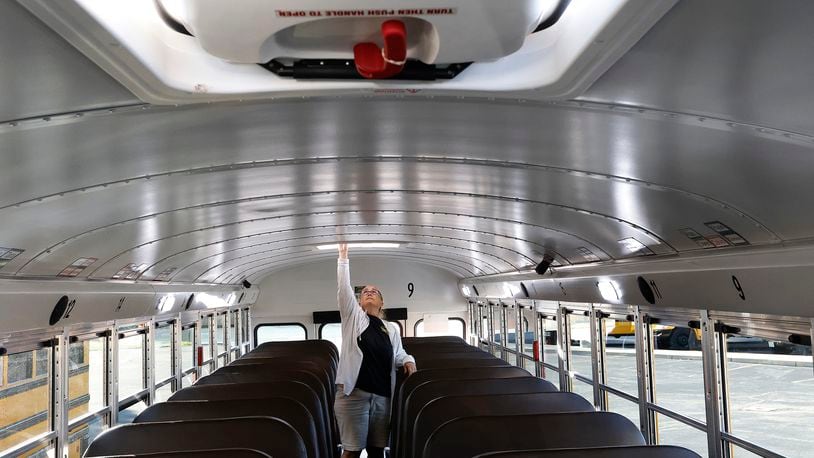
(277, 400)
(464, 402)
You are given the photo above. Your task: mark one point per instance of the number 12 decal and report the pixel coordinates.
(739, 288)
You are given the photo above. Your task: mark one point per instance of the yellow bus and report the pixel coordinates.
(24, 396)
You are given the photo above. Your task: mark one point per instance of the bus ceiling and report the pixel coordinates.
(540, 49)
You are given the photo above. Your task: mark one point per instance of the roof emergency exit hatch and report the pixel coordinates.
(173, 51)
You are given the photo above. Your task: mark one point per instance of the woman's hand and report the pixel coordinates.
(343, 251)
(409, 368)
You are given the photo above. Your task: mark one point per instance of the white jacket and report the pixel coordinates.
(354, 323)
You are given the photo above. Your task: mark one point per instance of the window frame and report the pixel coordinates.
(289, 323)
(451, 318)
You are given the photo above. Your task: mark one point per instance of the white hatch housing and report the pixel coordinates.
(185, 51)
(452, 31)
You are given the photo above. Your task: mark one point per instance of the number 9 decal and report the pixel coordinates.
(411, 289)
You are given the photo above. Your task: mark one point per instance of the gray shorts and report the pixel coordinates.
(363, 419)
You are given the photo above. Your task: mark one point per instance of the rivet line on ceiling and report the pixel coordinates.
(245, 200)
(441, 159)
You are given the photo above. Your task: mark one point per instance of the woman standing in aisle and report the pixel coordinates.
(371, 352)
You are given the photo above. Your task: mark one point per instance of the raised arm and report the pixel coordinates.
(349, 308)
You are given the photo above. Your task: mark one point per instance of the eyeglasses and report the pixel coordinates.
(371, 291)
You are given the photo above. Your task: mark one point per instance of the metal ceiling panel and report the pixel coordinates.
(694, 127)
(742, 60)
(42, 75)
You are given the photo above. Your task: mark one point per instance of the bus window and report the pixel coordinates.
(550, 353)
(131, 365)
(130, 413)
(332, 332)
(86, 381)
(163, 393)
(187, 348)
(82, 435)
(281, 332)
(679, 384)
(163, 353)
(497, 328)
(233, 329)
(511, 334)
(581, 363)
(455, 327)
(24, 397)
(673, 432)
(220, 319)
(206, 339)
(620, 367)
(527, 342)
(770, 388)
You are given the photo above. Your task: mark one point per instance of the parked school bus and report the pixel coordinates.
(24, 394)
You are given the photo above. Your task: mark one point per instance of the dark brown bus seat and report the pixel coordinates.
(262, 374)
(441, 410)
(454, 362)
(269, 435)
(435, 389)
(289, 389)
(407, 386)
(314, 346)
(288, 362)
(218, 453)
(658, 451)
(466, 437)
(286, 409)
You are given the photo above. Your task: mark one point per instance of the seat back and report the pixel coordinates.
(472, 436)
(263, 374)
(323, 360)
(268, 435)
(441, 410)
(424, 375)
(218, 453)
(315, 346)
(319, 369)
(462, 362)
(435, 389)
(285, 388)
(659, 451)
(286, 409)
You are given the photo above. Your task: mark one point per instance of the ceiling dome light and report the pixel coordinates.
(509, 290)
(465, 289)
(608, 290)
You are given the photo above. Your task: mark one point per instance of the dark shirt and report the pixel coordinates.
(377, 358)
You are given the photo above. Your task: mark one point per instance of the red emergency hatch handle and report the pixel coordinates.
(375, 63)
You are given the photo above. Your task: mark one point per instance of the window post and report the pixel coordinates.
(60, 401)
(149, 360)
(113, 375)
(598, 357)
(177, 331)
(711, 385)
(644, 372)
(564, 348)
